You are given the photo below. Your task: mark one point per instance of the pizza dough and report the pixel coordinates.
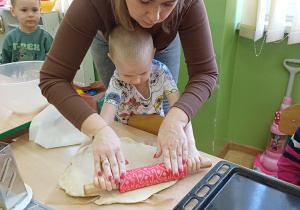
(81, 172)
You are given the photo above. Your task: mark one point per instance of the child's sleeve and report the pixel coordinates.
(48, 43)
(114, 91)
(6, 51)
(289, 162)
(169, 83)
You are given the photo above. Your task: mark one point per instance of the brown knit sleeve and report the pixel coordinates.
(195, 36)
(71, 42)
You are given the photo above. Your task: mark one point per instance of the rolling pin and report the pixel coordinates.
(143, 177)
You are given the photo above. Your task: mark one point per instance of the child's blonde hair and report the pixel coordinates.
(13, 2)
(131, 45)
(123, 17)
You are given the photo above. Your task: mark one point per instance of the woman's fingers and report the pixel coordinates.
(172, 141)
(105, 163)
(194, 164)
(173, 157)
(174, 152)
(108, 157)
(105, 181)
(104, 184)
(96, 181)
(179, 159)
(97, 164)
(189, 164)
(121, 163)
(158, 151)
(173, 160)
(107, 185)
(167, 159)
(114, 166)
(185, 152)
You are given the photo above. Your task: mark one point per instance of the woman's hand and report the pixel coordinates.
(104, 184)
(172, 141)
(108, 158)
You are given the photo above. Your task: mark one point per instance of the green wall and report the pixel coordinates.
(211, 122)
(226, 73)
(251, 88)
(260, 83)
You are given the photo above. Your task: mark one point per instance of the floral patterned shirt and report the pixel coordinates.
(128, 99)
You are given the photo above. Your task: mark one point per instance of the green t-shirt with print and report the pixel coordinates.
(20, 46)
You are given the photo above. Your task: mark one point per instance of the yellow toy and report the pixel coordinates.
(80, 92)
(47, 6)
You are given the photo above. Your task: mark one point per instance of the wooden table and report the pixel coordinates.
(13, 125)
(41, 169)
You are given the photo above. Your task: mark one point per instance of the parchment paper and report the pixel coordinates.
(81, 172)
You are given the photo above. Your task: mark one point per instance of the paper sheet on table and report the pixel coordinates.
(165, 199)
(50, 129)
(81, 172)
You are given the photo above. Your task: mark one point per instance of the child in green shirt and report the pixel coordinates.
(27, 42)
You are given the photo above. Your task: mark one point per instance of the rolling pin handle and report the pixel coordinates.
(206, 163)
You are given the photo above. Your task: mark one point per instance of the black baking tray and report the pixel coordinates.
(239, 188)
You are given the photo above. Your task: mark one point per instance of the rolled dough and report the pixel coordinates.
(81, 172)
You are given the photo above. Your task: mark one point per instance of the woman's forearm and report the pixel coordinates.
(92, 124)
(177, 115)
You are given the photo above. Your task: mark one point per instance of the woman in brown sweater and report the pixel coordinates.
(164, 19)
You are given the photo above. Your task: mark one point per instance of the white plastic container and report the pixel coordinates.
(19, 90)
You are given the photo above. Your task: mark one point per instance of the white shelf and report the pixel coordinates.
(13, 25)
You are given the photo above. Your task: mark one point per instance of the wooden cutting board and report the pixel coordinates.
(290, 119)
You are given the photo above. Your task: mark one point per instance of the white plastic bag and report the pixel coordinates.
(50, 129)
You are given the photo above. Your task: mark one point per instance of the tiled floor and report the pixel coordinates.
(240, 154)
(241, 158)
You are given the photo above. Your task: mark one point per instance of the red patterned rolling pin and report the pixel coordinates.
(143, 177)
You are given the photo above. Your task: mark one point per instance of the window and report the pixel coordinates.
(291, 11)
(280, 19)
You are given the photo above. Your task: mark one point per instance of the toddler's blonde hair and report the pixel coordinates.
(13, 2)
(131, 45)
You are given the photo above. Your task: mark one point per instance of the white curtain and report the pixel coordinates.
(271, 16)
(295, 29)
(61, 6)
